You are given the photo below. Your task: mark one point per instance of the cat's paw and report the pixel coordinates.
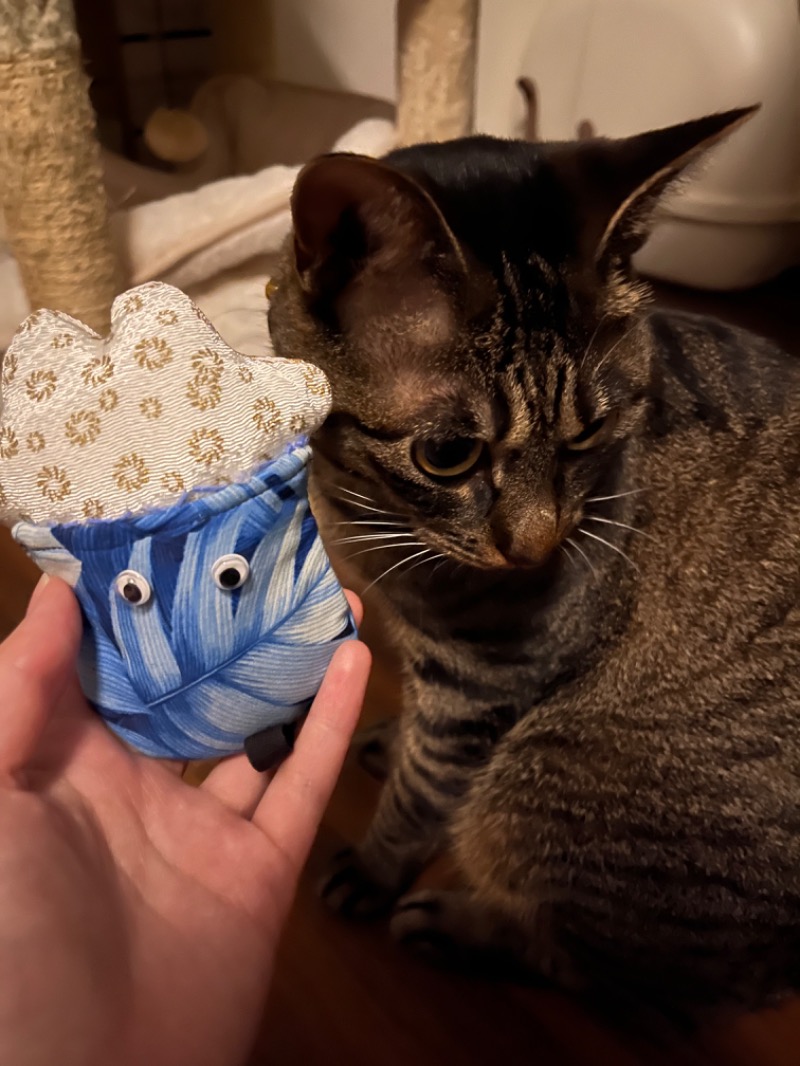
(350, 890)
(372, 747)
(451, 930)
(421, 922)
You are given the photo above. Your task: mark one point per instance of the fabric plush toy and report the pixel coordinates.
(163, 475)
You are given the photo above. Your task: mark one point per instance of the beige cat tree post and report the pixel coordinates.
(436, 48)
(51, 181)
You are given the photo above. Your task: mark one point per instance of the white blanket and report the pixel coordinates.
(217, 243)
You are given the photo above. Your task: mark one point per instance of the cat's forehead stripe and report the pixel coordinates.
(522, 397)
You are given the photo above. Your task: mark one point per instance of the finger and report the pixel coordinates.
(234, 781)
(356, 606)
(37, 663)
(237, 784)
(291, 810)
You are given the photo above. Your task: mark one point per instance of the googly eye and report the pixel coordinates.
(230, 572)
(133, 587)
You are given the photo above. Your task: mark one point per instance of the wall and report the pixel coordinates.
(329, 44)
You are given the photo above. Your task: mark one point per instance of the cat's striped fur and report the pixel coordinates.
(602, 645)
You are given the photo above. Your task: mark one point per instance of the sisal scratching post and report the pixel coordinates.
(50, 170)
(436, 42)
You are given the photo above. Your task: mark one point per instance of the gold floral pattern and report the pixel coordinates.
(206, 446)
(92, 509)
(204, 390)
(209, 361)
(9, 367)
(130, 472)
(9, 445)
(204, 395)
(97, 371)
(187, 410)
(82, 427)
(172, 481)
(151, 407)
(316, 382)
(152, 353)
(108, 399)
(31, 322)
(54, 483)
(266, 414)
(40, 385)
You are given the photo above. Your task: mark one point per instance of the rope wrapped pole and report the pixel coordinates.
(51, 179)
(437, 44)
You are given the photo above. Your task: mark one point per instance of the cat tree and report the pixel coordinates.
(52, 181)
(53, 194)
(436, 46)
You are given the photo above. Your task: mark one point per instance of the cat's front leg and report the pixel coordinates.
(445, 735)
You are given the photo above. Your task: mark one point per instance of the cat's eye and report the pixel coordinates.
(591, 435)
(230, 572)
(133, 587)
(447, 458)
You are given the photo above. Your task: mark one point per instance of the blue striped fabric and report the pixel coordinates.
(196, 669)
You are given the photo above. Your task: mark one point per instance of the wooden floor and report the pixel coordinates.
(344, 994)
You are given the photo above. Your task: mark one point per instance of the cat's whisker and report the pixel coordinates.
(580, 551)
(430, 559)
(622, 525)
(592, 339)
(616, 345)
(365, 507)
(384, 547)
(444, 558)
(613, 547)
(617, 496)
(353, 496)
(567, 555)
(352, 492)
(372, 522)
(395, 566)
(372, 536)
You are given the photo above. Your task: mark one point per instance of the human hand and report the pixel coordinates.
(139, 917)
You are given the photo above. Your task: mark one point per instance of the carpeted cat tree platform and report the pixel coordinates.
(73, 254)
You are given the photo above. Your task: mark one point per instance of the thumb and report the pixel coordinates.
(36, 663)
(290, 812)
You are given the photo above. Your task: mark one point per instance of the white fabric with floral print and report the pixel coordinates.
(93, 428)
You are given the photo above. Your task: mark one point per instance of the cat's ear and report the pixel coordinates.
(358, 220)
(618, 183)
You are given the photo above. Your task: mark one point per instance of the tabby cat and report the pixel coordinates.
(582, 518)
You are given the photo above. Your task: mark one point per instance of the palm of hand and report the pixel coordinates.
(148, 907)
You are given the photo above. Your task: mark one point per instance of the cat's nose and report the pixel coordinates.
(531, 538)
